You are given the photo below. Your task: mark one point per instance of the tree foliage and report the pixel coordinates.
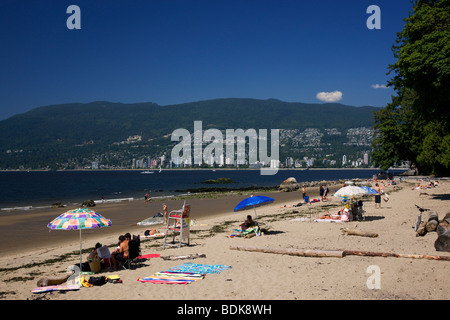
(415, 126)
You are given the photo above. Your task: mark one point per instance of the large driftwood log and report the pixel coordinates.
(356, 232)
(442, 243)
(422, 230)
(433, 222)
(292, 252)
(395, 255)
(428, 226)
(337, 253)
(444, 225)
(44, 282)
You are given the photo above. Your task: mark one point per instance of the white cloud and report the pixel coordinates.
(379, 86)
(329, 96)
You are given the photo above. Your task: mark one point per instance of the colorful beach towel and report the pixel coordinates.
(167, 277)
(200, 268)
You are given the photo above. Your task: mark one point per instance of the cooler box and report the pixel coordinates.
(94, 264)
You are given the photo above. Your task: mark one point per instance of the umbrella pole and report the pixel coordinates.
(81, 266)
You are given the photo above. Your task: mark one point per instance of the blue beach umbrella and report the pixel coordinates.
(253, 202)
(369, 190)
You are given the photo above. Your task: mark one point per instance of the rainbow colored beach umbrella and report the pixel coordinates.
(78, 219)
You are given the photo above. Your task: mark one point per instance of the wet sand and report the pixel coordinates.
(22, 229)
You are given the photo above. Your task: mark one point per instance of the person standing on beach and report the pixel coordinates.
(165, 213)
(325, 193)
(321, 192)
(377, 196)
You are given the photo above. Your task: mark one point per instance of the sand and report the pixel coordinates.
(253, 275)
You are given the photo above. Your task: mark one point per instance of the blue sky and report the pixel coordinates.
(176, 51)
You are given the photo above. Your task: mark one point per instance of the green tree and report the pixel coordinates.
(419, 130)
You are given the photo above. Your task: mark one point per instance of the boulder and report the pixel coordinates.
(288, 185)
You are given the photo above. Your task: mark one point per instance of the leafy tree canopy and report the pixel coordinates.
(415, 126)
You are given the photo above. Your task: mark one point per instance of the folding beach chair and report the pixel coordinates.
(359, 210)
(178, 223)
(134, 251)
(104, 254)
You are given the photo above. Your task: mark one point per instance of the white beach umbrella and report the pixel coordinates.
(350, 191)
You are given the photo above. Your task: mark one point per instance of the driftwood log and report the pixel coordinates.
(293, 252)
(395, 255)
(443, 230)
(442, 243)
(356, 232)
(337, 253)
(44, 282)
(422, 230)
(433, 222)
(444, 225)
(428, 226)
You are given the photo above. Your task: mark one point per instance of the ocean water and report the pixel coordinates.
(27, 190)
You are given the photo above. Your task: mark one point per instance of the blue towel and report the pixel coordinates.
(199, 268)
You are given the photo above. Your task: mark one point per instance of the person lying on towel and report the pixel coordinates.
(336, 216)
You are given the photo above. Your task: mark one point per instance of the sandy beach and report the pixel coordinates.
(32, 252)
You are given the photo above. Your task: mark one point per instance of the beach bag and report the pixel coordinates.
(97, 281)
(386, 197)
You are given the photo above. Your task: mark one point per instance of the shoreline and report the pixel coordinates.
(37, 218)
(174, 193)
(117, 212)
(156, 169)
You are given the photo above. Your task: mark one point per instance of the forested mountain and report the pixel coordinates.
(53, 135)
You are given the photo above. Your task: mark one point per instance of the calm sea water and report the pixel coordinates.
(37, 188)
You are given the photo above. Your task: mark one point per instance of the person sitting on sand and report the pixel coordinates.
(94, 252)
(247, 223)
(306, 198)
(121, 253)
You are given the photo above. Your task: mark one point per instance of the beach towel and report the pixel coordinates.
(168, 277)
(156, 235)
(148, 256)
(56, 288)
(200, 268)
(328, 220)
(249, 230)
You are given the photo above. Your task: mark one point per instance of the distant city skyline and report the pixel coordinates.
(172, 52)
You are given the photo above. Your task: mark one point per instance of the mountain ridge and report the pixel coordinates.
(57, 131)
